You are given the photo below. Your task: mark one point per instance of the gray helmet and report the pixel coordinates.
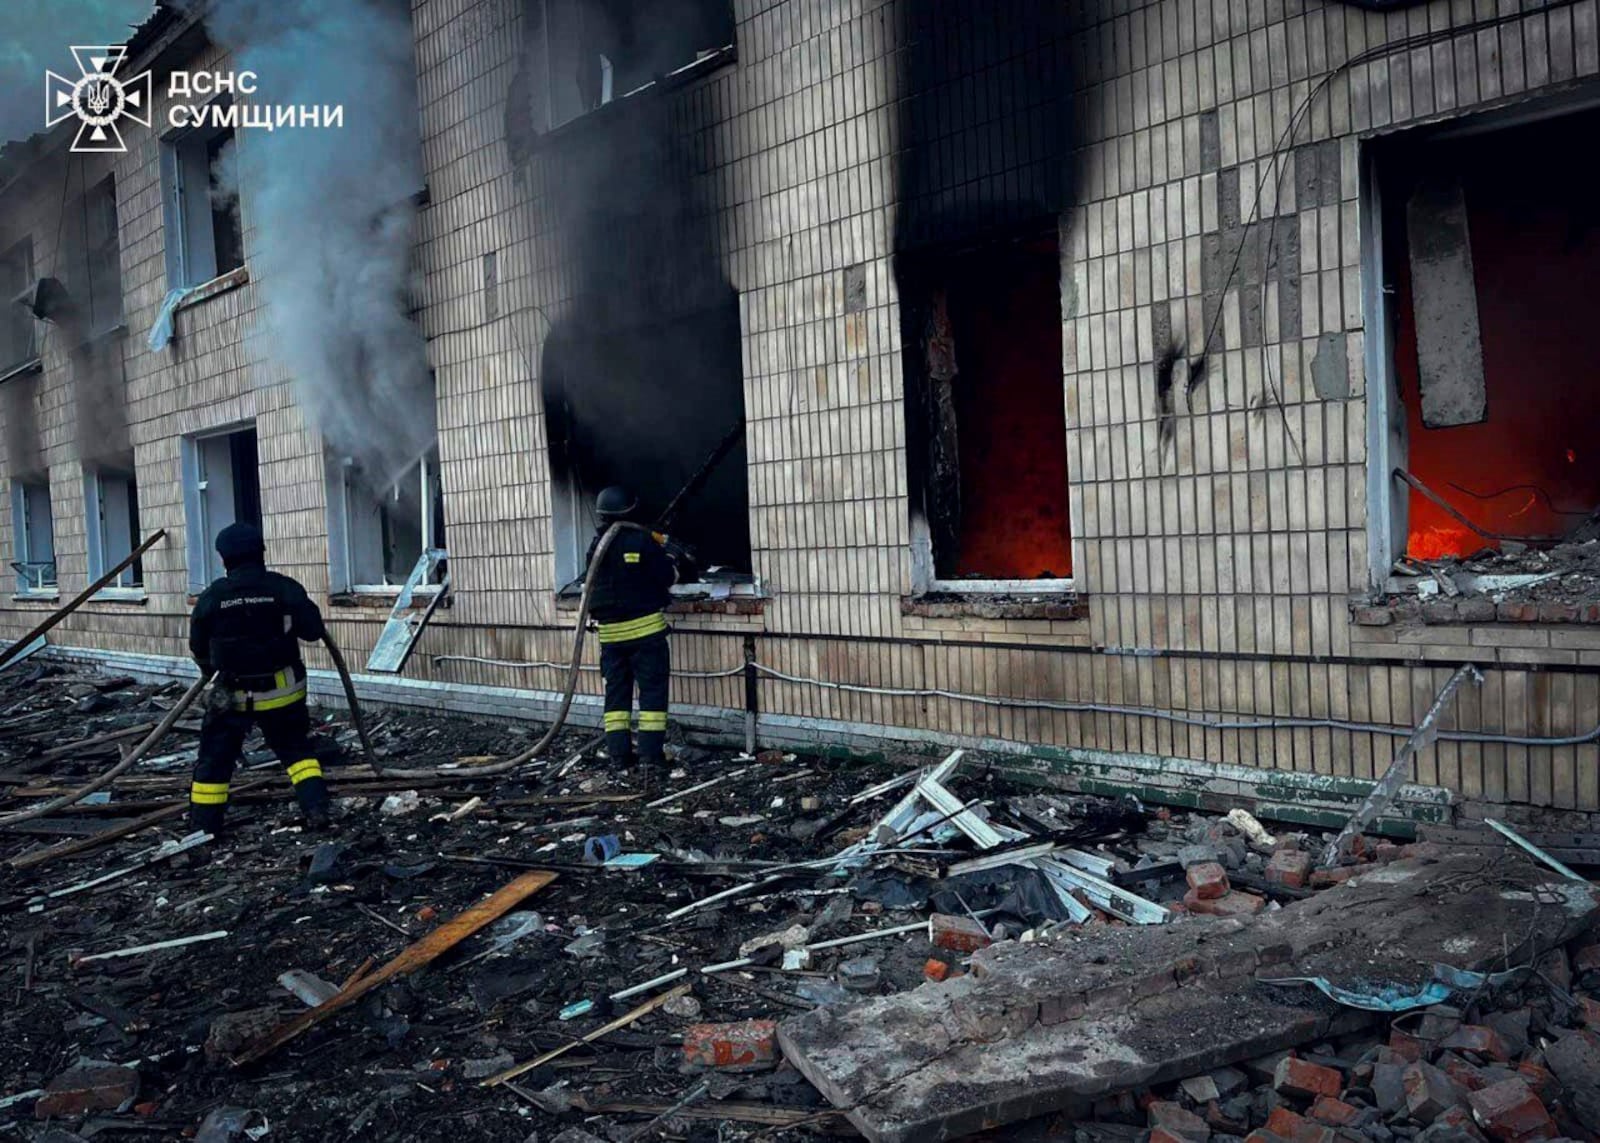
(615, 503)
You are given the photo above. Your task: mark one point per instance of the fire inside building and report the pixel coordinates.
(1181, 407)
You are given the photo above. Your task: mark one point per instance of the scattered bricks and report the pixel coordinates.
(1388, 1087)
(1509, 1111)
(1575, 1061)
(1372, 616)
(1406, 1046)
(959, 934)
(1589, 1012)
(1305, 1079)
(1558, 613)
(1289, 867)
(1261, 1136)
(1540, 1079)
(1476, 609)
(1454, 1126)
(1234, 903)
(1513, 1027)
(1466, 1075)
(1517, 612)
(86, 1088)
(1327, 878)
(935, 970)
(1479, 1040)
(1587, 959)
(1179, 1121)
(745, 1046)
(1439, 611)
(1334, 1112)
(1429, 1092)
(1207, 881)
(230, 1033)
(1389, 851)
(1297, 1128)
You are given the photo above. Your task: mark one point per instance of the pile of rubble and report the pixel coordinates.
(773, 945)
(1509, 584)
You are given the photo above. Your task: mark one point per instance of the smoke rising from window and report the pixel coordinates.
(330, 218)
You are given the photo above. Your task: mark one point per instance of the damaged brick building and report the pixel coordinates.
(1126, 387)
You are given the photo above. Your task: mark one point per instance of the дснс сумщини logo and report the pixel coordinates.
(98, 98)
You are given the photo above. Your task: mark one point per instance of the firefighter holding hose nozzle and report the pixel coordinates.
(631, 590)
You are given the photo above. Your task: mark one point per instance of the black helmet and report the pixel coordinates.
(240, 543)
(615, 503)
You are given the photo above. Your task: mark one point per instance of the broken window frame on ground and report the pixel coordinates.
(191, 250)
(19, 335)
(345, 493)
(36, 569)
(920, 301)
(1389, 495)
(204, 512)
(118, 490)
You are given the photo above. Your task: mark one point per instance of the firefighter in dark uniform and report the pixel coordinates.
(631, 590)
(247, 627)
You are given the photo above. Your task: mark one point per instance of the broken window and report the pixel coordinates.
(33, 525)
(221, 486)
(1491, 264)
(377, 535)
(588, 53)
(199, 179)
(112, 498)
(986, 415)
(17, 344)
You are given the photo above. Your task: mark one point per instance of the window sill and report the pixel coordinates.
(22, 369)
(381, 597)
(712, 61)
(1474, 610)
(1020, 602)
(221, 284)
(46, 595)
(120, 595)
(703, 604)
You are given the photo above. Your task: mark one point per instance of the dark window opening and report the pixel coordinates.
(222, 487)
(96, 257)
(1492, 251)
(986, 413)
(112, 495)
(587, 53)
(382, 533)
(227, 236)
(17, 345)
(200, 179)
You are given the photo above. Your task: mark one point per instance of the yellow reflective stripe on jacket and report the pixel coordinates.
(208, 793)
(630, 629)
(288, 689)
(303, 769)
(631, 557)
(616, 720)
(652, 720)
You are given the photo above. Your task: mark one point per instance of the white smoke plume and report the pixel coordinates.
(331, 215)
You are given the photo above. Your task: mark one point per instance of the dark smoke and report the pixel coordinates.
(332, 213)
(35, 37)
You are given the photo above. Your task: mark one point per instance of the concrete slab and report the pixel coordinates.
(1048, 1027)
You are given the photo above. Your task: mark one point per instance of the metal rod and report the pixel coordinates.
(701, 474)
(1524, 844)
(82, 597)
(1384, 790)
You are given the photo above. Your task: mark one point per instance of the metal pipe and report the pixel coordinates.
(82, 597)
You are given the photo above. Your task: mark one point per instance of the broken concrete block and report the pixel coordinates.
(1479, 1040)
(1575, 1060)
(1201, 1089)
(1388, 1087)
(1509, 1111)
(85, 1088)
(1178, 1120)
(1454, 1126)
(1430, 1092)
(1289, 867)
(1207, 881)
(959, 934)
(232, 1031)
(749, 1045)
(1306, 1080)
(1513, 1028)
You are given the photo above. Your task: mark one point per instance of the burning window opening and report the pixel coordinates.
(33, 526)
(200, 187)
(221, 486)
(986, 416)
(1498, 386)
(378, 536)
(111, 496)
(588, 53)
(18, 343)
